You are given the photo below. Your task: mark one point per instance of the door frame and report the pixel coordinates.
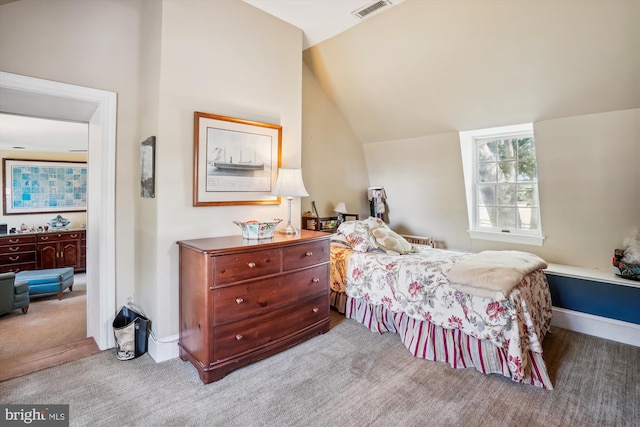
(101, 277)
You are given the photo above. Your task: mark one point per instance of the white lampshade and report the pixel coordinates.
(340, 208)
(289, 183)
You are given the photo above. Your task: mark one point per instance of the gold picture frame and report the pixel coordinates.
(235, 161)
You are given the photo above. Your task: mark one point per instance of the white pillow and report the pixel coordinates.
(358, 233)
(391, 241)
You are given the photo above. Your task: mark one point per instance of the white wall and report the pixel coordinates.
(589, 184)
(165, 59)
(92, 44)
(146, 221)
(220, 57)
(408, 80)
(424, 184)
(77, 219)
(589, 181)
(333, 165)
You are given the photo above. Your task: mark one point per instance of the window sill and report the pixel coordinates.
(523, 239)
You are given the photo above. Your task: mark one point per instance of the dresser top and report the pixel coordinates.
(50, 231)
(218, 244)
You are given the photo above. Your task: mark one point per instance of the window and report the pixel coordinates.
(502, 184)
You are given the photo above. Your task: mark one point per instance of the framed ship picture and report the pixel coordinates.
(235, 161)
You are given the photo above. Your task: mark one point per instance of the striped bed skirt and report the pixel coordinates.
(432, 342)
(338, 300)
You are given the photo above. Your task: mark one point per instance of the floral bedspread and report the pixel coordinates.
(415, 284)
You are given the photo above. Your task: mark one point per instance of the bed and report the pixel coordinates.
(408, 292)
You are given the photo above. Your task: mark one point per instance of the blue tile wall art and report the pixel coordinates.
(40, 186)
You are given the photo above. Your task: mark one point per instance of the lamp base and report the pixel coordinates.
(289, 229)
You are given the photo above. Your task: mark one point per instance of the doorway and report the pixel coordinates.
(37, 93)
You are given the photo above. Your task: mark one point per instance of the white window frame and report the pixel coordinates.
(467, 147)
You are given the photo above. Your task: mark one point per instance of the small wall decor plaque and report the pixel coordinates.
(148, 167)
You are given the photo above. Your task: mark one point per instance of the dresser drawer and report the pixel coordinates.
(58, 237)
(236, 302)
(17, 239)
(14, 268)
(304, 255)
(248, 265)
(236, 338)
(17, 258)
(17, 248)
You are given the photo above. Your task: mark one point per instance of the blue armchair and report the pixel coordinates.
(13, 295)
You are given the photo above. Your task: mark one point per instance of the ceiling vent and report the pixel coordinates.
(365, 11)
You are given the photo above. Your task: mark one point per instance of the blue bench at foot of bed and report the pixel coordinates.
(52, 281)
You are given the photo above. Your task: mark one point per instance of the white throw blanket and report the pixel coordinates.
(492, 274)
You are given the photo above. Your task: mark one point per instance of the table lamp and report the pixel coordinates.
(340, 208)
(289, 184)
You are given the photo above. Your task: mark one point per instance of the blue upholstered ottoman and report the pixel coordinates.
(52, 281)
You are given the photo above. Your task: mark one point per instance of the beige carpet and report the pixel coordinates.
(346, 377)
(48, 323)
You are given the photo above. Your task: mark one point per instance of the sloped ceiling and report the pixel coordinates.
(322, 19)
(429, 67)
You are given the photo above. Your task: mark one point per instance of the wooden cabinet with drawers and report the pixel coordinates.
(43, 250)
(57, 249)
(244, 300)
(17, 253)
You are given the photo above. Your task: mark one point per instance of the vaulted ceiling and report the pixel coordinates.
(429, 67)
(322, 19)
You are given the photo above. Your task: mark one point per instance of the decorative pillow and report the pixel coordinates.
(373, 223)
(391, 241)
(358, 233)
(340, 239)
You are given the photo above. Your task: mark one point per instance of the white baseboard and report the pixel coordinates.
(163, 349)
(611, 329)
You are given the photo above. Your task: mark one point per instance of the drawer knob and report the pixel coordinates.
(14, 259)
(308, 253)
(316, 309)
(239, 300)
(251, 264)
(44, 237)
(315, 280)
(14, 241)
(16, 249)
(239, 337)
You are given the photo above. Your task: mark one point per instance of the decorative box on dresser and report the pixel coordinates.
(243, 300)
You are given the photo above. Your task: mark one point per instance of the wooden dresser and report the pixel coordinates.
(17, 253)
(57, 249)
(244, 300)
(43, 250)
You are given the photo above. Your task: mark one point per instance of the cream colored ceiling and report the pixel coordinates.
(425, 67)
(429, 67)
(320, 19)
(36, 122)
(38, 134)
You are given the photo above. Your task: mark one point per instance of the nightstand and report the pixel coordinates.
(328, 224)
